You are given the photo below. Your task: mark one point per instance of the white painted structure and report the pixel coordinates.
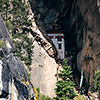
(59, 42)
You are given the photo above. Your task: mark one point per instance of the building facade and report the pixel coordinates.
(57, 38)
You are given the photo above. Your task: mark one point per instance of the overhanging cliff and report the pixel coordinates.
(81, 22)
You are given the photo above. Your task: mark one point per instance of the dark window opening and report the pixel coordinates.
(59, 46)
(59, 38)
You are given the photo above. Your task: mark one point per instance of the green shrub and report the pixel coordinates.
(1, 44)
(41, 96)
(96, 81)
(26, 44)
(65, 87)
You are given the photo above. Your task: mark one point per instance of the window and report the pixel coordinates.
(59, 38)
(59, 46)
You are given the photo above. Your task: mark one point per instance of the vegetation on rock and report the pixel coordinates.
(23, 48)
(1, 44)
(96, 81)
(64, 90)
(41, 96)
(15, 14)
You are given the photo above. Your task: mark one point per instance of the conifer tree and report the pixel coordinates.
(15, 14)
(64, 90)
(20, 16)
(4, 5)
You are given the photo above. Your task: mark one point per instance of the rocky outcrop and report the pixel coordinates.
(12, 70)
(48, 14)
(44, 67)
(43, 70)
(42, 39)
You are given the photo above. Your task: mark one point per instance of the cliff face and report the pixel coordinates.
(43, 67)
(81, 22)
(90, 52)
(90, 15)
(12, 71)
(43, 71)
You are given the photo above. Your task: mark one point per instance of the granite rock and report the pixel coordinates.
(11, 67)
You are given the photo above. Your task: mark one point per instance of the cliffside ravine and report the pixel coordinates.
(80, 21)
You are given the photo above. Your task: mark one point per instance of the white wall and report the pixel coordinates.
(61, 52)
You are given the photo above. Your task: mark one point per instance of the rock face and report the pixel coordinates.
(90, 15)
(81, 22)
(42, 39)
(12, 71)
(43, 67)
(43, 70)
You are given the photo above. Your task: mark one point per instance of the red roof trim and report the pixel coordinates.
(50, 36)
(55, 36)
(58, 36)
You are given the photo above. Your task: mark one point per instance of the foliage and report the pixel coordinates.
(3, 4)
(29, 76)
(41, 66)
(81, 98)
(38, 90)
(96, 81)
(15, 14)
(41, 96)
(1, 44)
(0, 57)
(64, 90)
(25, 45)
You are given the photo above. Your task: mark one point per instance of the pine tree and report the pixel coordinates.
(20, 16)
(64, 90)
(15, 14)
(4, 6)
